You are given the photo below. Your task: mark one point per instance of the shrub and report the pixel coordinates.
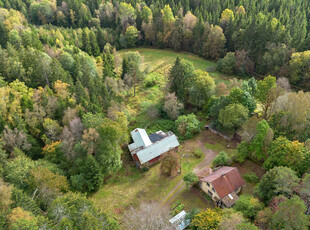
(221, 159)
(198, 153)
(190, 179)
(152, 80)
(248, 206)
(227, 64)
(251, 178)
(187, 125)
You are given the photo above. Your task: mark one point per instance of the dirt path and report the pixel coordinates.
(209, 156)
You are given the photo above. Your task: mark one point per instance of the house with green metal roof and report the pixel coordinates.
(147, 149)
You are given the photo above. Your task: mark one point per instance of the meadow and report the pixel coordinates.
(156, 64)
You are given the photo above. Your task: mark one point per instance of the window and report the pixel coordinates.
(210, 193)
(213, 189)
(208, 184)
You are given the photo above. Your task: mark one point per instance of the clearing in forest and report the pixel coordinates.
(161, 60)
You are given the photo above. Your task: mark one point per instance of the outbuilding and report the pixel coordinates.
(147, 149)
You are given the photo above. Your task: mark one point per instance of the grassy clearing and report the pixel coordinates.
(130, 187)
(157, 64)
(161, 60)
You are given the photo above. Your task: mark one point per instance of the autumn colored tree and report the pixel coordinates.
(292, 154)
(170, 163)
(208, 219)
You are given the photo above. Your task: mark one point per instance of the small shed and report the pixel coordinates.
(179, 221)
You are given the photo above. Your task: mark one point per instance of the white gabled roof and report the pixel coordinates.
(179, 221)
(158, 148)
(180, 216)
(140, 139)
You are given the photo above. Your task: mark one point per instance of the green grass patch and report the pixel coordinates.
(130, 187)
(161, 60)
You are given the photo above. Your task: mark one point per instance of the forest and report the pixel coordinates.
(74, 82)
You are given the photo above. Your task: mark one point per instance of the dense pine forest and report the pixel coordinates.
(70, 95)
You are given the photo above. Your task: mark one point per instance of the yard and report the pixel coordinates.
(129, 187)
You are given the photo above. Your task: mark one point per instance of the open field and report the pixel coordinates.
(161, 60)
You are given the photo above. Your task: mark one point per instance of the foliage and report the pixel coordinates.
(79, 212)
(198, 153)
(5, 196)
(251, 178)
(190, 179)
(170, 163)
(299, 69)
(291, 116)
(277, 181)
(187, 125)
(202, 88)
(172, 106)
(46, 185)
(131, 36)
(221, 159)
(291, 214)
(231, 219)
(180, 77)
(305, 189)
(246, 226)
(244, 98)
(292, 154)
(176, 208)
(248, 206)
(207, 219)
(233, 116)
(227, 64)
(266, 93)
(89, 177)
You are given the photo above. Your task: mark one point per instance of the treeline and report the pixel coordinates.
(264, 36)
